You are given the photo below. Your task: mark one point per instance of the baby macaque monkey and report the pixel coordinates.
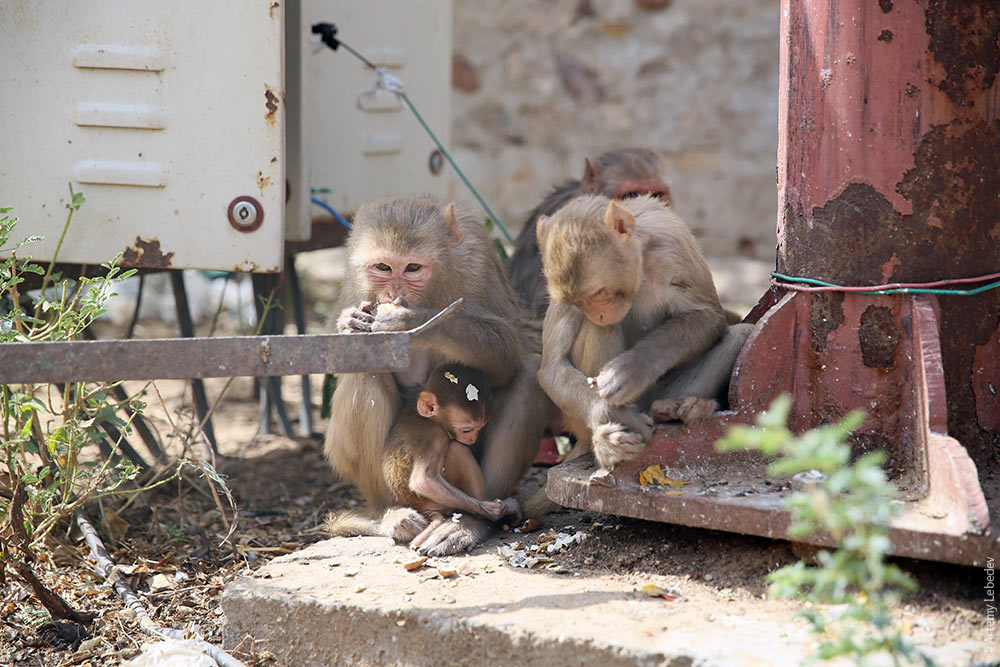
(429, 464)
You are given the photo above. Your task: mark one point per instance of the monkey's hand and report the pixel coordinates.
(512, 508)
(498, 509)
(614, 443)
(453, 537)
(624, 379)
(493, 509)
(397, 316)
(356, 319)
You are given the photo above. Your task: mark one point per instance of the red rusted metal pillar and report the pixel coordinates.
(888, 171)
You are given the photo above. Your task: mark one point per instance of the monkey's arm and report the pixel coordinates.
(426, 481)
(676, 340)
(561, 380)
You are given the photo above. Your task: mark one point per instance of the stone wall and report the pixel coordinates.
(541, 84)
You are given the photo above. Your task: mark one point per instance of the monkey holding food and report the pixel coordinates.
(421, 254)
(619, 174)
(428, 463)
(634, 324)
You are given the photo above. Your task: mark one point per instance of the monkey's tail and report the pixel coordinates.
(348, 523)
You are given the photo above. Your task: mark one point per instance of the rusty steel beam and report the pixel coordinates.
(179, 358)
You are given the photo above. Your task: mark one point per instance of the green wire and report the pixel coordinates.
(455, 167)
(895, 290)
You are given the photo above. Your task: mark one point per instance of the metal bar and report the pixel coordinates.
(138, 422)
(305, 405)
(183, 358)
(197, 386)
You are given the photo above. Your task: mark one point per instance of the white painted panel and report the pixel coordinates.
(361, 151)
(298, 225)
(162, 113)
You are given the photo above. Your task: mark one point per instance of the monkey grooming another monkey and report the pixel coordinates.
(428, 464)
(634, 322)
(619, 174)
(421, 254)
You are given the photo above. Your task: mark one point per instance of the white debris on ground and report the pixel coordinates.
(172, 653)
(517, 554)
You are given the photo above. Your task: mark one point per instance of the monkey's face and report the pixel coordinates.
(462, 426)
(606, 306)
(632, 189)
(399, 277)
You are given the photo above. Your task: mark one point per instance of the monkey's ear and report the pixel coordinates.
(427, 404)
(540, 224)
(620, 221)
(590, 181)
(454, 229)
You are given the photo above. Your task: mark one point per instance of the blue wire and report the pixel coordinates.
(329, 209)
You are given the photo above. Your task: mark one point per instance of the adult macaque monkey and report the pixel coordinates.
(428, 464)
(619, 174)
(634, 322)
(420, 255)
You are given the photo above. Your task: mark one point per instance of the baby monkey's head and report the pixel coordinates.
(458, 399)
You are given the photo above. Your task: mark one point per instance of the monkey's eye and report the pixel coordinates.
(382, 266)
(410, 268)
(631, 195)
(467, 430)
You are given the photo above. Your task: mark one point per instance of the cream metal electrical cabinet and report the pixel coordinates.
(198, 131)
(364, 146)
(168, 116)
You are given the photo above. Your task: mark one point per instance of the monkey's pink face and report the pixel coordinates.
(392, 278)
(465, 428)
(630, 189)
(606, 306)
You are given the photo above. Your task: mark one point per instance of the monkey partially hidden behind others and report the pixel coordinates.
(619, 174)
(634, 325)
(420, 254)
(428, 463)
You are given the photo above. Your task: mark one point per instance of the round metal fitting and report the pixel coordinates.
(435, 162)
(245, 214)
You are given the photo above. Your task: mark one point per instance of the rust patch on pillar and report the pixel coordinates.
(878, 336)
(845, 241)
(964, 42)
(826, 313)
(953, 187)
(147, 254)
(954, 181)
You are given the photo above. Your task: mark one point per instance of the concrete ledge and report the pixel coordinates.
(349, 601)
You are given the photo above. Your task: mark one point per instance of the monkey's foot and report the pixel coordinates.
(454, 537)
(403, 524)
(689, 409)
(614, 444)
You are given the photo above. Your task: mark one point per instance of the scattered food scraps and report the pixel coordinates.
(657, 475)
(414, 564)
(352, 571)
(447, 572)
(529, 526)
(652, 590)
(517, 555)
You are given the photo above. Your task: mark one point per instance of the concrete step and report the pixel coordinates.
(349, 601)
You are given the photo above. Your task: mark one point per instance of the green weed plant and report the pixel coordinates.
(851, 589)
